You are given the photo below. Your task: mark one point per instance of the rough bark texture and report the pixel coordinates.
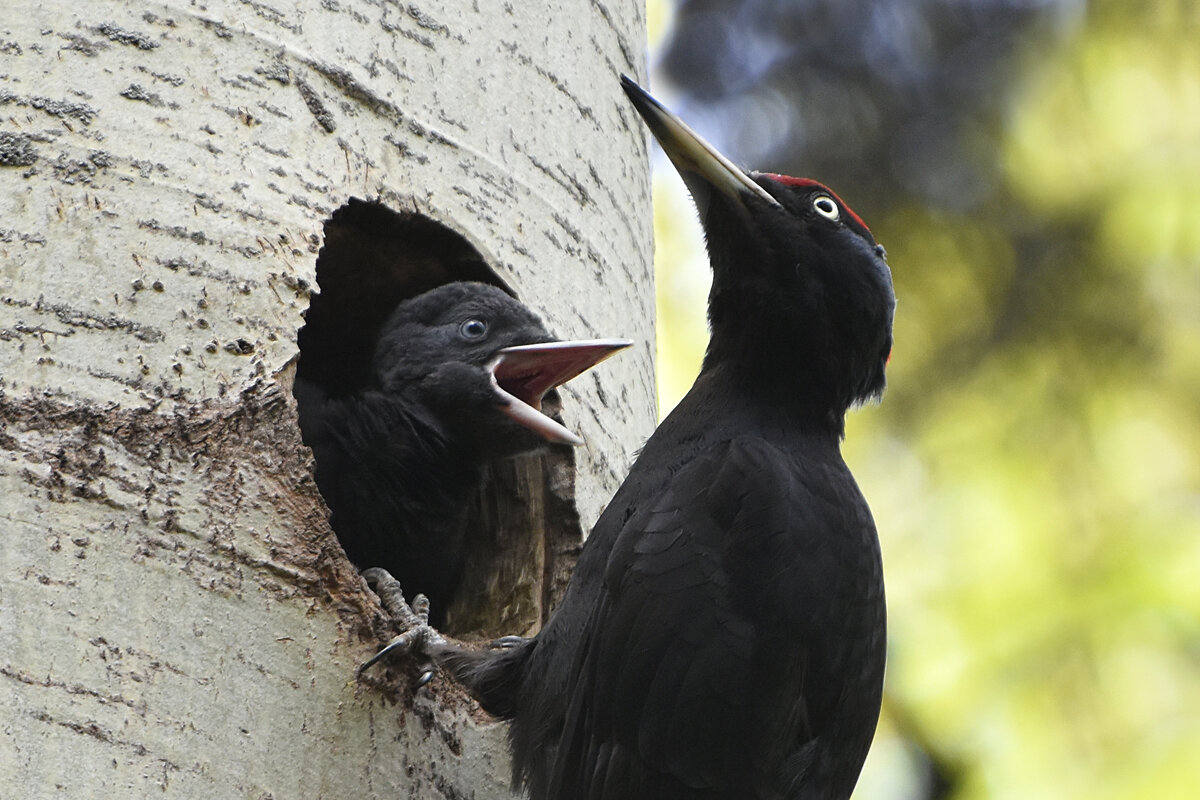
(175, 616)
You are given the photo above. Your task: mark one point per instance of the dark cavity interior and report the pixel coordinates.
(525, 533)
(372, 259)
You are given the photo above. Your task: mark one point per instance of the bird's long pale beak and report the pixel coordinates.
(698, 162)
(522, 375)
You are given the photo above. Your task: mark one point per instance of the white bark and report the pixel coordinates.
(175, 615)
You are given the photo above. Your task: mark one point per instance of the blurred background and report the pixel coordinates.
(1033, 168)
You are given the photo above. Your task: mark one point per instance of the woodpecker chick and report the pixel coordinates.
(457, 381)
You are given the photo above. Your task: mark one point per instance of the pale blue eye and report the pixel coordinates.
(473, 329)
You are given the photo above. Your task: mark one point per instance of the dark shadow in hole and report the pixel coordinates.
(524, 533)
(373, 258)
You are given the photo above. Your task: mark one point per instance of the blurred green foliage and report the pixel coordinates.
(1035, 466)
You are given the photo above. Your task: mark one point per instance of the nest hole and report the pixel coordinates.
(524, 534)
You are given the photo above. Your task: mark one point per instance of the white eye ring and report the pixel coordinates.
(826, 207)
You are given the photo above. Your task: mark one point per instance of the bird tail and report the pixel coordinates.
(492, 675)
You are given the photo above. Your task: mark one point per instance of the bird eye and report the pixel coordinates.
(826, 207)
(473, 329)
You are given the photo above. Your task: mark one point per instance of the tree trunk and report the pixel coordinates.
(175, 613)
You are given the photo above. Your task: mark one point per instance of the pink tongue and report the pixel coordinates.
(531, 370)
(536, 421)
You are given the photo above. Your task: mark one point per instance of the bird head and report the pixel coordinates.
(801, 301)
(481, 363)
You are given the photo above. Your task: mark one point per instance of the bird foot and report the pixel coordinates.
(413, 620)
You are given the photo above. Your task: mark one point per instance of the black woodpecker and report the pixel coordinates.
(457, 380)
(723, 634)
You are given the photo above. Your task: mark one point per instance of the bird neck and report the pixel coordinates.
(731, 398)
(796, 392)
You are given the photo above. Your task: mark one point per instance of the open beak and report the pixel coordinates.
(698, 162)
(522, 375)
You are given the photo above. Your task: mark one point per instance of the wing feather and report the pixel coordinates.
(712, 591)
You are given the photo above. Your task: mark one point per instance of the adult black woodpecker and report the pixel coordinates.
(456, 381)
(723, 633)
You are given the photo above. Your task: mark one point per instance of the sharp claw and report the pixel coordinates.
(412, 618)
(507, 642)
(401, 642)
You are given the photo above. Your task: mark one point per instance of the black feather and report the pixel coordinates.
(400, 459)
(723, 634)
